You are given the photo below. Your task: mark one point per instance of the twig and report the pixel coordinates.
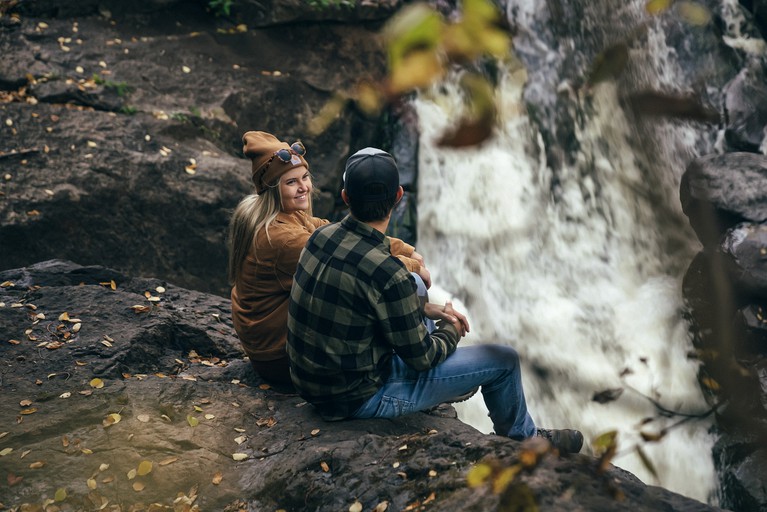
(21, 152)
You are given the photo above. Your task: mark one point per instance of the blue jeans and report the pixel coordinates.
(423, 293)
(494, 367)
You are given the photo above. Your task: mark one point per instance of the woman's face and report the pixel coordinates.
(295, 186)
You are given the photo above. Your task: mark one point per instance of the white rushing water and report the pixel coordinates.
(583, 283)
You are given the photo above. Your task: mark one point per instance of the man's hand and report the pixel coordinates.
(446, 313)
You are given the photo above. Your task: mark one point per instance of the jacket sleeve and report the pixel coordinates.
(290, 242)
(402, 324)
(402, 252)
(290, 250)
(317, 222)
(400, 248)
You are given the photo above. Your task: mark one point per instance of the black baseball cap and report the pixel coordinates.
(371, 175)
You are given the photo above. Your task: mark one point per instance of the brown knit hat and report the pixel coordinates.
(261, 148)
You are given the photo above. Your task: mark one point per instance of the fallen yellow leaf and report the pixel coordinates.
(111, 419)
(144, 467)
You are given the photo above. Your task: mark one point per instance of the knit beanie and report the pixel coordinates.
(261, 148)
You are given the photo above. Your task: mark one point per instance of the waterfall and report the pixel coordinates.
(576, 263)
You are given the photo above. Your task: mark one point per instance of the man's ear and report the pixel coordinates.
(400, 193)
(344, 197)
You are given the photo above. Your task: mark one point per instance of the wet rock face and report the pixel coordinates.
(725, 198)
(759, 9)
(148, 401)
(121, 130)
(746, 109)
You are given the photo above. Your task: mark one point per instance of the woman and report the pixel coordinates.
(267, 232)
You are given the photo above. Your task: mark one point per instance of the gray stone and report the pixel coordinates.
(745, 252)
(719, 191)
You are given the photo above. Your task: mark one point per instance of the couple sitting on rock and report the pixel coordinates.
(339, 311)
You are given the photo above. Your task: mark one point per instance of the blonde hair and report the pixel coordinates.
(254, 211)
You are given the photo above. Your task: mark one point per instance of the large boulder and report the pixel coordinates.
(719, 191)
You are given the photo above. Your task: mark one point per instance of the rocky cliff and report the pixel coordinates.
(128, 394)
(119, 149)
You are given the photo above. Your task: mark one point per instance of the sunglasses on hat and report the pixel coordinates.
(284, 154)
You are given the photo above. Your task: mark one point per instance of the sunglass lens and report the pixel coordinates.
(298, 148)
(284, 155)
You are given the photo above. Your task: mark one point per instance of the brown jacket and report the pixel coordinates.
(260, 295)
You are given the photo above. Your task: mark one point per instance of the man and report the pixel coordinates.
(357, 345)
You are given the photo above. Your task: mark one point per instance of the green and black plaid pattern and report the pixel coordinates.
(351, 306)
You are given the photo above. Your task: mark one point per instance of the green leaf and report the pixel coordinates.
(415, 27)
(61, 494)
(655, 7)
(694, 13)
(478, 474)
(609, 64)
(605, 442)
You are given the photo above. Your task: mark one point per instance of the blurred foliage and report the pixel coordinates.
(323, 5)
(221, 7)
(421, 46)
(514, 495)
(7, 5)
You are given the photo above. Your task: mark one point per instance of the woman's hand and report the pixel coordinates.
(417, 256)
(422, 271)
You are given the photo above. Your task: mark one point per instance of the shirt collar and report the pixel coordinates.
(365, 230)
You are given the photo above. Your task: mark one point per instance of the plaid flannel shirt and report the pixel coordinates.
(352, 306)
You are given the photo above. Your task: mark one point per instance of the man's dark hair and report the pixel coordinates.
(371, 211)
